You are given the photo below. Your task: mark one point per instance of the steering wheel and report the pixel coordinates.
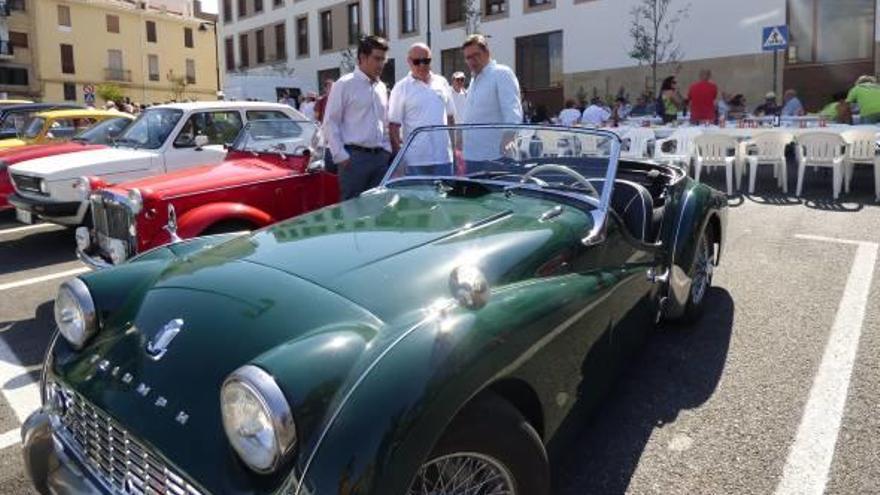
(580, 179)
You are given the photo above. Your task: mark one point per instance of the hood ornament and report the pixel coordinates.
(171, 226)
(157, 347)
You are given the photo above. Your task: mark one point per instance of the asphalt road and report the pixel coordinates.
(733, 404)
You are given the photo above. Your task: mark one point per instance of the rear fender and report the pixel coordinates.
(195, 221)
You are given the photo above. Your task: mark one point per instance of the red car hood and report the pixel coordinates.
(12, 156)
(207, 177)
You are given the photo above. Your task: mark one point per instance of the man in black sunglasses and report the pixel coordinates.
(422, 99)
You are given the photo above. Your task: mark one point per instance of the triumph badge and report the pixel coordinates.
(159, 344)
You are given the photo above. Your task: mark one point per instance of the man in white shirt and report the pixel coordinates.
(422, 99)
(493, 98)
(355, 121)
(595, 114)
(570, 115)
(459, 95)
(308, 105)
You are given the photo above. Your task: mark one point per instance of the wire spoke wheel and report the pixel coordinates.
(467, 473)
(702, 273)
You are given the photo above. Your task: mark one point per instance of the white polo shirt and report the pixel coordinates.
(569, 116)
(595, 115)
(493, 98)
(460, 100)
(415, 104)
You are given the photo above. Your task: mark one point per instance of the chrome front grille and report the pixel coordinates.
(27, 183)
(111, 218)
(118, 460)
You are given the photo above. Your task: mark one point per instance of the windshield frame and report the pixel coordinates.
(603, 203)
(305, 124)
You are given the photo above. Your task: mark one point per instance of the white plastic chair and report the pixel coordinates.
(769, 150)
(681, 146)
(640, 142)
(821, 149)
(861, 146)
(713, 150)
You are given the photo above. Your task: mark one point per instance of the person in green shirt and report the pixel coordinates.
(838, 110)
(866, 94)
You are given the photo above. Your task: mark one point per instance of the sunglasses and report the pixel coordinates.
(421, 61)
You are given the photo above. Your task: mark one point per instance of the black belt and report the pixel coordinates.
(364, 149)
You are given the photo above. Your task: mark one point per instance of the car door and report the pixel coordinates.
(218, 126)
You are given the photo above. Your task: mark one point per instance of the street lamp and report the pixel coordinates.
(203, 27)
(428, 31)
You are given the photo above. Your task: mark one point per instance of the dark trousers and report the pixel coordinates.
(365, 171)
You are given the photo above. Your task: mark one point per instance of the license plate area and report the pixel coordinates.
(24, 216)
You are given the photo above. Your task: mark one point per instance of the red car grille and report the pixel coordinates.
(111, 218)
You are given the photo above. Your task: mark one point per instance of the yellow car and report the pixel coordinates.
(59, 125)
(4, 103)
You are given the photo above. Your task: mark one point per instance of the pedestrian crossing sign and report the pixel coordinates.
(774, 38)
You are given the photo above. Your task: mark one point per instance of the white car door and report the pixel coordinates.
(219, 126)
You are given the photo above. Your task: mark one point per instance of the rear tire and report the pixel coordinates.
(700, 273)
(227, 226)
(490, 438)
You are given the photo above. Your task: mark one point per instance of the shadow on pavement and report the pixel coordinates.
(678, 368)
(28, 339)
(36, 250)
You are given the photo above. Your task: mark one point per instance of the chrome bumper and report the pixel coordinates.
(50, 469)
(93, 262)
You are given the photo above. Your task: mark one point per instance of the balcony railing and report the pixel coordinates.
(5, 48)
(122, 75)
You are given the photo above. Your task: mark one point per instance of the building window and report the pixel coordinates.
(407, 16)
(380, 24)
(243, 52)
(69, 91)
(823, 32)
(151, 32)
(227, 10)
(302, 37)
(260, 36)
(67, 66)
(277, 3)
(230, 54)
(13, 76)
(242, 8)
(539, 61)
(354, 23)
(115, 70)
(190, 71)
(495, 7)
(258, 6)
(16, 5)
(64, 16)
(188, 37)
(538, 3)
(326, 30)
(153, 65)
(328, 74)
(112, 23)
(452, 61)
(280, 42)
(18, 40)
(454, 11)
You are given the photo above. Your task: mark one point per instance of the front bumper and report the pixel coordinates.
(50, 469)
(45, 208)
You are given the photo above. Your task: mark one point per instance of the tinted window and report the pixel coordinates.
(219, 127)
(102, 132)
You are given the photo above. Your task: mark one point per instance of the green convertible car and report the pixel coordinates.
(436, 335)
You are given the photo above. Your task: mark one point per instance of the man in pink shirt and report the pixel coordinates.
(702, 95)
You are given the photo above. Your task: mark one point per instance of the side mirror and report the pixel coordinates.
(200, 141)
(597, 233)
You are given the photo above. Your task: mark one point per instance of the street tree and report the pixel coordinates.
(652, 29)
(110, 92)
(178, 85)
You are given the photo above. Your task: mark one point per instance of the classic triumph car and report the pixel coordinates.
(435, 335)
(270, 173)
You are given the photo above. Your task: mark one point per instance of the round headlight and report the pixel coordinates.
(257, 418)
(136, 200)
(44, 186)
(84, 187)
(75, 312)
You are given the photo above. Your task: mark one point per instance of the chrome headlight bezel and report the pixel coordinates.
(75, 313)
(265, 392)
(135, 200)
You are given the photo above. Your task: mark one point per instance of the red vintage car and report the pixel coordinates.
(272, 171)
(95, 137)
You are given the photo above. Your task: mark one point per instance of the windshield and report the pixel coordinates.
(277, 136)
(546, 158)
(34, 127)
(151, 129)
(14, 122)
(103, 132)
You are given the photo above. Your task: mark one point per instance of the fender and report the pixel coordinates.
(195, 221)
(388, 421)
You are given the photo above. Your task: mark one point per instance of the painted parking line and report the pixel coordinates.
(27, 228)
(10, 438)
(810, 457)
(20, 390)
(42, 278)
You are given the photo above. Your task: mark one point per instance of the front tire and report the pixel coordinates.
(489, 449)
(700, 274)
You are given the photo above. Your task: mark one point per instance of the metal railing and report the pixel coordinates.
(113, 74)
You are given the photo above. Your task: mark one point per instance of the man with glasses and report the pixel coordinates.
(356, 121)
(459, 95)
(493, 98)
(422, 99)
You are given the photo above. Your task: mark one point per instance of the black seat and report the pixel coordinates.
(634, 205)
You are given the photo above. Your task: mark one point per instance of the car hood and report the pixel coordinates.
(11, 143)
(104, 162)
(313, 300)
(15, 155)
(202, 178)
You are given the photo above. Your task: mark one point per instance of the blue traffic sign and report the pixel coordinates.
(774, 38)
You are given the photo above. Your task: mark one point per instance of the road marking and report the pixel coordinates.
(10, 438)
(809, 459)
(27, 228)
(24, 398)
(42, 278)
